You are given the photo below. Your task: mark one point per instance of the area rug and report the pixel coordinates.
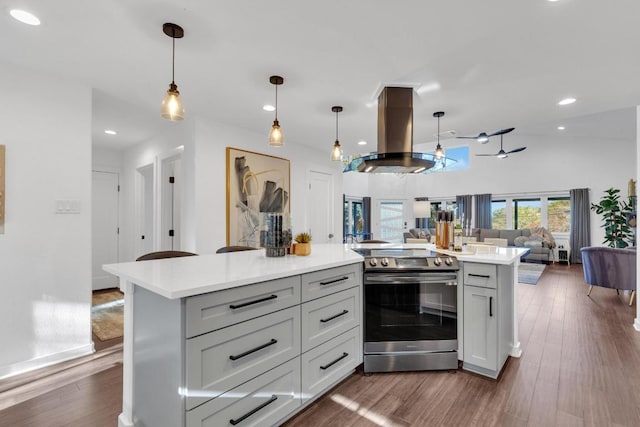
(530, 273)
(107, 314)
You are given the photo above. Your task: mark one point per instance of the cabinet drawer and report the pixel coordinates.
(221, 360)
(263, 401)
(330, 362)
(208, 312)
(325, 282)
(483, 275)
(327, 317)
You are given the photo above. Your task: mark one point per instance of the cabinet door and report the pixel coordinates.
(480, 327)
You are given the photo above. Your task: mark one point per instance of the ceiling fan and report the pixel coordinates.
(503, 154)
(483, 138)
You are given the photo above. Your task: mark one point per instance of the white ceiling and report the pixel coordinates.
(493, 63)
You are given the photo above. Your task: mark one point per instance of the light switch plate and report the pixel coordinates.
(67, 206)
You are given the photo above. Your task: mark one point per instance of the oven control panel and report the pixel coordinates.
(411, 263)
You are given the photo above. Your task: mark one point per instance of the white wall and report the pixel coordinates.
(548, 164)
(211, 141)
(204, 165)
(45, 258)
(106, 159)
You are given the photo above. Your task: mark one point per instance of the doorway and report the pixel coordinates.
(392, 220)
(171, 204)
(104, 227)
(320, 207)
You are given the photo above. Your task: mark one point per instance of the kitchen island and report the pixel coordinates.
(216, 339)
(209, 338)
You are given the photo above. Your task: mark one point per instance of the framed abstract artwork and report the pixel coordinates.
(256, 183)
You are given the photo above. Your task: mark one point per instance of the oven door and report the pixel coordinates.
(410, 311)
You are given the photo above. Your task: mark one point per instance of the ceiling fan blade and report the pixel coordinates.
(517, 150)
(502, 132)
(486, 155)
(467, 137)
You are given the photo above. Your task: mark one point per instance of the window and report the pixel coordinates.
(499, 214)
(559, 214)
(353, 220)
(527, 213)
(440, 206)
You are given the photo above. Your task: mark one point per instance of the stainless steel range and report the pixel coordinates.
(410, 304)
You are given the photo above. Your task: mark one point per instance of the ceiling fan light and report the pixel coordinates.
(172, 107)
(502, 155)
(483, 139)
(276, 139)
(336, 152)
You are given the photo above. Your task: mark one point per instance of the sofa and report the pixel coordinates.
(538, 240)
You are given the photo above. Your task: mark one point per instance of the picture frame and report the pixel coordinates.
(256, 183)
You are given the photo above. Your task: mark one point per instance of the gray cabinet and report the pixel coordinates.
(480, 327)
(254, 354)
(487, 317)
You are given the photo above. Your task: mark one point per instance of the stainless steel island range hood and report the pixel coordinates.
(395, 137)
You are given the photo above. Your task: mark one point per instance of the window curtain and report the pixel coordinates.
(580, 231)
(464, 210)
(483, 210)
(366, 212)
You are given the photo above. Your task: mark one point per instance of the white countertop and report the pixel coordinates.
(502, 256)
(186, 276)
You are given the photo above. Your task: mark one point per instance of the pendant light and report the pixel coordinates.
(276, 139)
(439, 153)
(336, 151)
(172, 107)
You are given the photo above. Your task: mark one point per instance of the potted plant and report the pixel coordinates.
(614, 217)
(303, 244)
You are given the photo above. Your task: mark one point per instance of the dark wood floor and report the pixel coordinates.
(580, 366)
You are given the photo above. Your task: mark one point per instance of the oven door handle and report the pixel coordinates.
(398, 280)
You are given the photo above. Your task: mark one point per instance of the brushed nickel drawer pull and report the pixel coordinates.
(484, 276)
(244, 304)
(335, 280)
(253, 411)
(328, 319)
(253, 350)
(334, 362)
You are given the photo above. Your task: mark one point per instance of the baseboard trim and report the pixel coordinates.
(123, 421)
(636, 324)
(44, 361)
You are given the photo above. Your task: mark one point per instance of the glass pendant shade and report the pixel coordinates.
(276, 139)
(172, 107)
(336, 152)
(439, 153)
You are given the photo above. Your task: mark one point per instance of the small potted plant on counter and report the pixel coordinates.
(303, 244)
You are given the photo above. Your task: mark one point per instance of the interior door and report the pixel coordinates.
(104, 224)
(171, 205)
(320, 207)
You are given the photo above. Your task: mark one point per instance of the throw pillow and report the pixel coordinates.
(520, 241)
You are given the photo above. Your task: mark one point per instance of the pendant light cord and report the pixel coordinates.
(173, 57)
(337, 125)
(276, 102)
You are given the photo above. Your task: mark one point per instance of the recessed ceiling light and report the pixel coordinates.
(362, 142)
(110, 132)
(24, 17)
(560, 127)
(553, 1)
(567, 101)
(268, 107)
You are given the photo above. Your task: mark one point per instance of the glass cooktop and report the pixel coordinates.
(397, 253)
